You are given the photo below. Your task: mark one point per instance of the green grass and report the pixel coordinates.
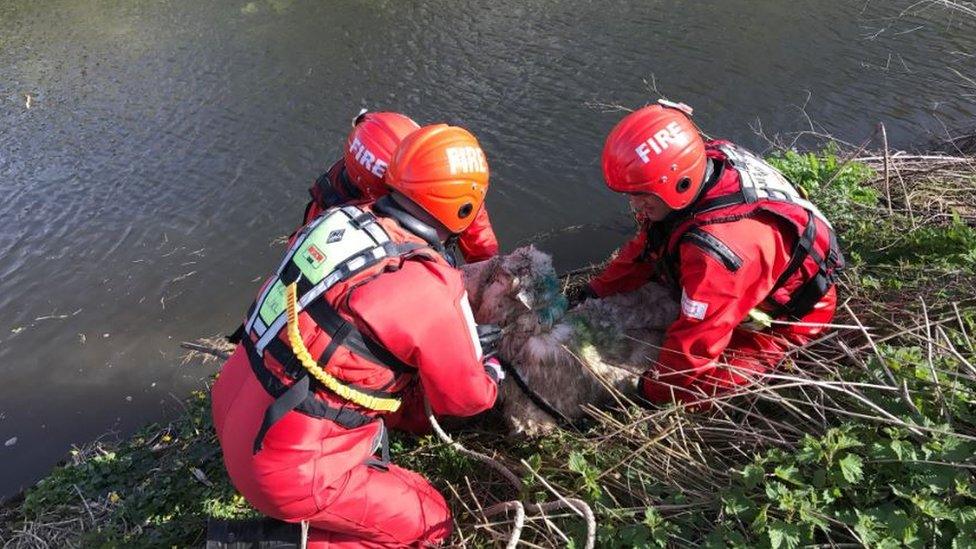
(156, 488)
(854, 442)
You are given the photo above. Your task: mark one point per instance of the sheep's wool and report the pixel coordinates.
(568, 358)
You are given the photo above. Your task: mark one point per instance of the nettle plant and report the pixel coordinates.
(839, 187)
(884, 486)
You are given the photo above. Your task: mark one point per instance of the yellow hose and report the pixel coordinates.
(380, 404)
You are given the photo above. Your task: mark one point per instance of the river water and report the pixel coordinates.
(166, 144)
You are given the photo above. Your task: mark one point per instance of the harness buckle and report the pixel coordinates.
(290, 274)
(382, 445)
(362, 220)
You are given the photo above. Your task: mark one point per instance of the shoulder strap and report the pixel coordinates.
(828, 268)
(712, 246)
(761, 181)
(329, 319)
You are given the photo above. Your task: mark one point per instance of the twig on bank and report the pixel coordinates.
(215, 347)
(840, 169)
(887, 187)
(85, 503)
(935, 376)
(881, 360)
(962, 327)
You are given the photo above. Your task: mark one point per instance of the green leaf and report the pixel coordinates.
(759, 523)
(737, 504)
(577, 463)
(964, 541)
(783, 535)
(819, 478)
(903, 449)
(634, 535)
(809, 517)
(932, 507)
(752, 475)
(790, 474)
(851, 467)
(868, 528)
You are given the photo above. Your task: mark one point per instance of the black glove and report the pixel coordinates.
(490, 335)
(579, 294)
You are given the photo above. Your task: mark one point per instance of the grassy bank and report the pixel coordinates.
(866, 437)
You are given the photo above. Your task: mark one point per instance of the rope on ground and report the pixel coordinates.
(578, 506)
(518, 524)
(487, 460)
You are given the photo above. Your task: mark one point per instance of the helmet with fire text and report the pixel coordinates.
(443, 170)
(656, 150)
(370, 147)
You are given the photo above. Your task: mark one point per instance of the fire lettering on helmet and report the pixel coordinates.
(673, 133)
(466, 160)
(379, 168)
(366, 158)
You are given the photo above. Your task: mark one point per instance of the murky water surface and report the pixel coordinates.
(168, 143)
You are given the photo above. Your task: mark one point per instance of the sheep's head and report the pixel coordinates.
(503, 290)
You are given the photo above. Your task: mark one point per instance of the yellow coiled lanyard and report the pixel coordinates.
(380, 404)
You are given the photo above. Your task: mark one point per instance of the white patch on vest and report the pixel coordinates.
(672, 134)
(765, 181)
(472, 326)
(691, 308)
(466, 160)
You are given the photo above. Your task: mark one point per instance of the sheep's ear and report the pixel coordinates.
(526, 298)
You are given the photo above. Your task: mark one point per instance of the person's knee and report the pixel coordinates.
(431, 519)
(394, 507)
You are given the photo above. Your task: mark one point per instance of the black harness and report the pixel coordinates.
(535, 397)
(329, 196)
(802, 299)
(299, 393)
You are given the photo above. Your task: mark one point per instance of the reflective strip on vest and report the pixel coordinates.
(326, 251)
(761, 181)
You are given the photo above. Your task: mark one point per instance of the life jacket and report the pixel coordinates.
(748, 186)
(333, 188)
(345, 247)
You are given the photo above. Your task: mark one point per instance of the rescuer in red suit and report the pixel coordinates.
(363, 319)
(752, 261)
(358, 176)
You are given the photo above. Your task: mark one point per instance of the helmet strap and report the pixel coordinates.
(713, 172)
(387, 206)
(348, 188)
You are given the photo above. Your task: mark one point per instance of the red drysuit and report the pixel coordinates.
(476, 243)
(321, 458)
(734, 249)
